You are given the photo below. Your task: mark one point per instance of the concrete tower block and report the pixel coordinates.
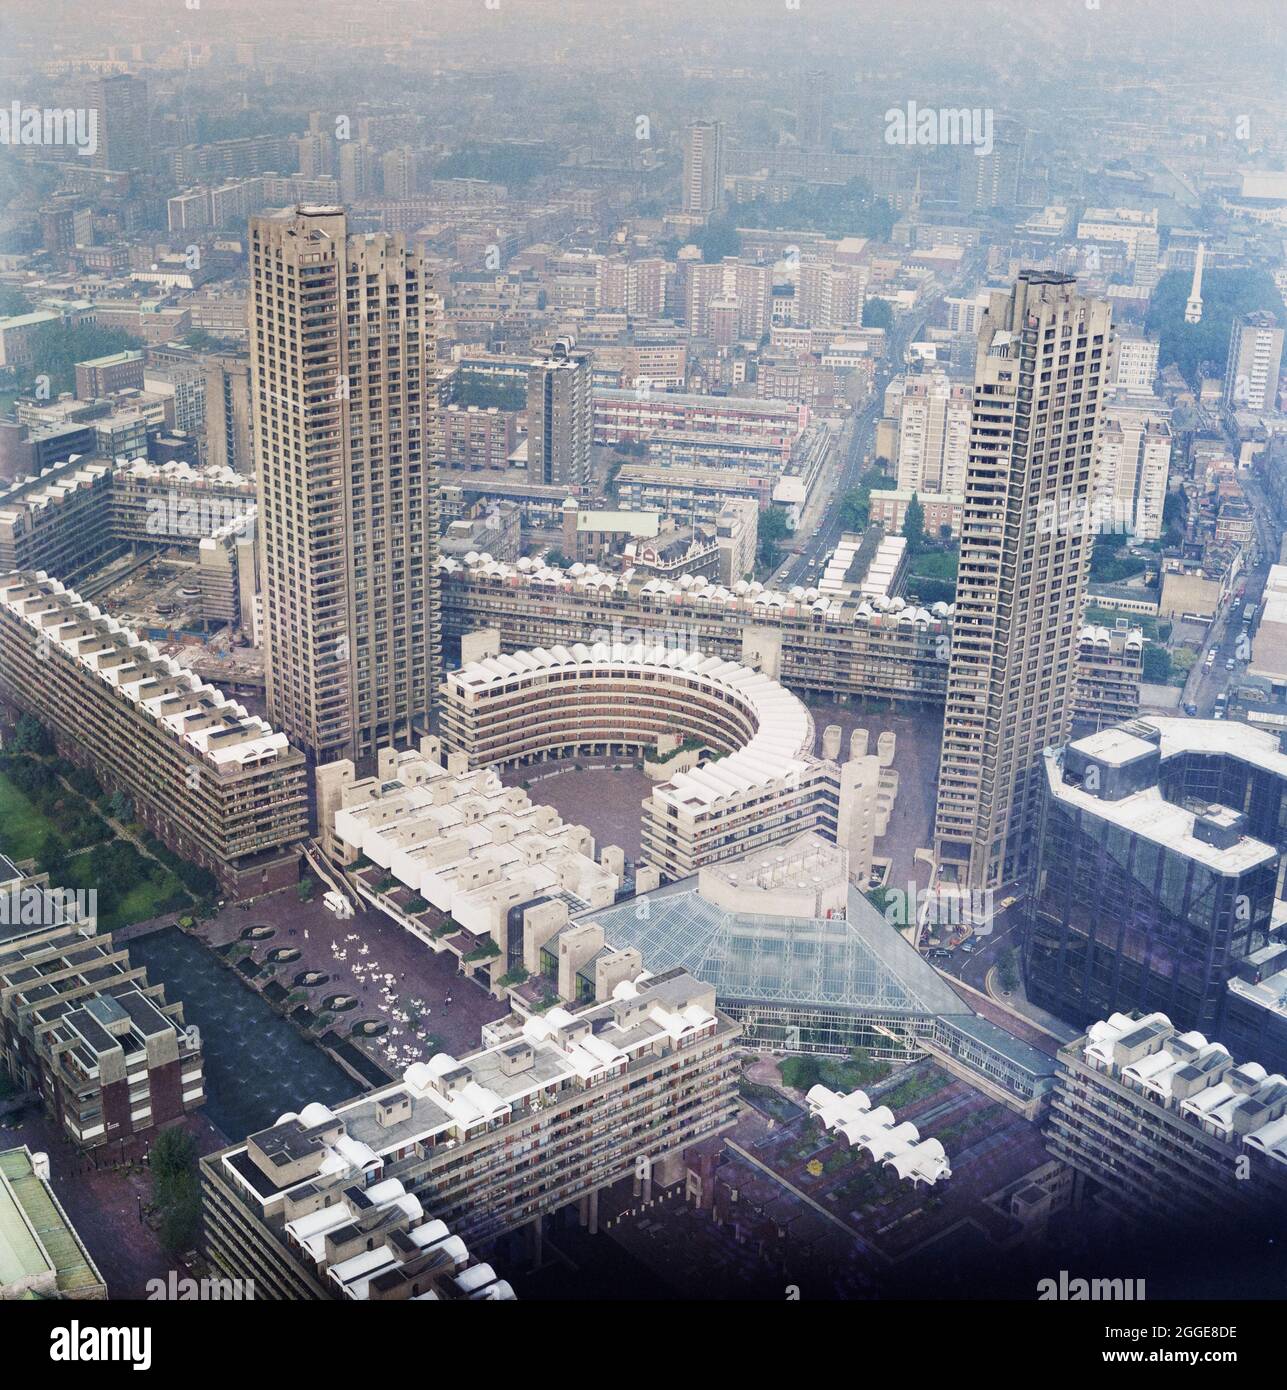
(762, 650)
(333, 781)
(478, 645)
(539, 924)
(647, 878)
(856, 823)
(431, 749)
(609, 971)
(577, 945)
(831, 742)
(613, 858)
(858, 743)
(885, 746)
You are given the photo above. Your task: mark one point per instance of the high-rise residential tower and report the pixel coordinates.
(814, 111)
(560, 416)
(119, 104)
(1044, 361)
(933, 434)
(1255, 360)
(228, 413)
(703, 167)
(343, 374)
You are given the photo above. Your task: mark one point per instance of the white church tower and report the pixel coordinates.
(1193, 309)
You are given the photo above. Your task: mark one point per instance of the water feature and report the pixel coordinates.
(257, 1066)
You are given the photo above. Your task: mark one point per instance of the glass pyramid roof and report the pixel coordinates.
(859, 963)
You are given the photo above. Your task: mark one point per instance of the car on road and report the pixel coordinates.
(1190, 708)
(939, 953)
(1229, 664)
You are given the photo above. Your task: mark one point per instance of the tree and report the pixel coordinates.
(1157, 664)
(31, 736)
(1007, 974)
(58, 348)
(120, 807)
(176, 1192)
(1226, 294)
(173, 1152)
(720, 239)
(800, 1072)
(914, 524)
(773, 529)
(876, 313)
(854, 507)
(849, 209)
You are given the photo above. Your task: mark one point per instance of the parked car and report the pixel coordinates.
(1190, 708)
(1229, 664)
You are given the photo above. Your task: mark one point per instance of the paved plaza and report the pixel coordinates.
(607, 800)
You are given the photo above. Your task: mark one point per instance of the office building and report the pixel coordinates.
(842, 646)
(347, 445)
(814, 111)
(731, 291)
(703, 168)
(560, 417)
(100, 376)
(465, 845)
(991, 179)
(553, 1108)
(1255, 360)
(740, 745)
(1044, 355)
(475, 440)
(632, 417)
(830, 296)
(794, 951)
(1109, 668)
(1158, 856)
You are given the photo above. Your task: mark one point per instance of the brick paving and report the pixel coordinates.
(358, 956)
(608, 801)
(911, 825)
(104, 1202)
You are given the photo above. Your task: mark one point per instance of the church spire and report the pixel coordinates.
(1193, 309)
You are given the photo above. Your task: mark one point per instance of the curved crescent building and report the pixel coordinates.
(761, 782)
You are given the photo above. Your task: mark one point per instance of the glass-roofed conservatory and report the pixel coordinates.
(799, 984)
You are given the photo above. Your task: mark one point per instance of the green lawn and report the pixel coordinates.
(140, 903)
(935, 564)
(22, 827)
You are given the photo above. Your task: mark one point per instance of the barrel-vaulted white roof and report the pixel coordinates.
(1237, 1104)
(194, 714)
(897, 1146)
(779, 749)
(689, 591)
